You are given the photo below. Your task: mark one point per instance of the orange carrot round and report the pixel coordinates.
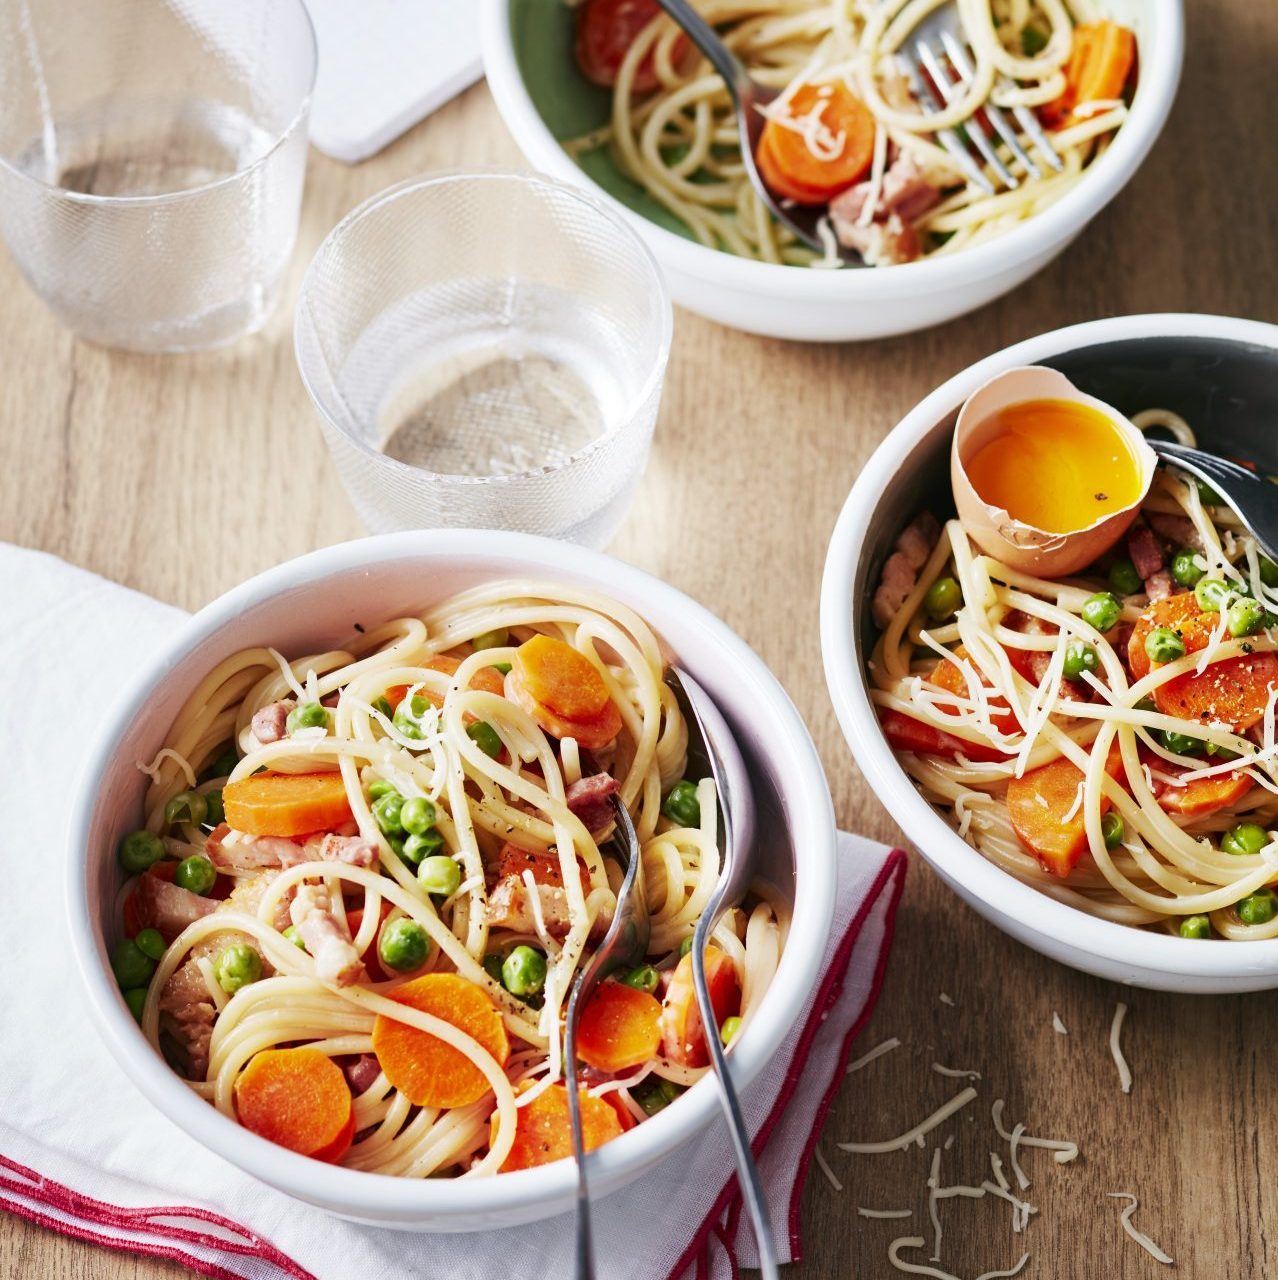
(426, 1070)
(948, 676)
(790, 167)
(1100, 61)
(620, 1028)
(286, 804)
(564, 693)
(486, 680)
(682, 1035)
(299, 1099)
(542, 1132)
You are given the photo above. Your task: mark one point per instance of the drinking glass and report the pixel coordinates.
(151, 161)
(486, 350)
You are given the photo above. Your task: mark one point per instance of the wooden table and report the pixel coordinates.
(183, 475)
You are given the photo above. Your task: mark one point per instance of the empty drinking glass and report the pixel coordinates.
(486, 350)
(151, 161)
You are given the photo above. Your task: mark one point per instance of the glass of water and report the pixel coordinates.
(486, 350)
(151, 161)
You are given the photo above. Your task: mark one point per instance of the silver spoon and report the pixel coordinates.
(713, 748)
(1253, 499)
(748, 96)
(624, 947)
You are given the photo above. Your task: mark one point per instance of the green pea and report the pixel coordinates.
(1268, 572)
(1146, 703)
(418, 847)
(1195, 927)
(1112, 830)
(523, 972)
(195, 873)
(380, 788)
(1211, 594)
(1245, 617)
(131, 965)
(669, 1090)
(685, 946)
(293, 934)
(492, 966)
(503, 667)
(403, 945)
(497, 638)
(728, 1032)
(644, 978)
(1221, 753)
(383, 705)
(186, 806)
(1245, 840)
(1259, 907)
(1180, 744)
(408, 715)
(651, 1099)
(1185, 568)
(224, 764)
(485, 737)
(135, 998)
(1033, 41)
(216, 807)
(151, 943)
(307, 715)
(396, 843)
(681, 805)
(439, 874)
(1123, 578)
(417, 815)
(1079, 657)
(140, 850)
(1164, 645)
(237, 966)
(943, 599)
(386, 813)
(1207, 495)
(1102, 610)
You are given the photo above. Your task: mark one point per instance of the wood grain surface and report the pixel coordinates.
(181, 476)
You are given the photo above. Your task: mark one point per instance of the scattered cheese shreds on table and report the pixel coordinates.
(1139, 1236)
(877, 1052)
(1116, 1049)
(1058, 1026)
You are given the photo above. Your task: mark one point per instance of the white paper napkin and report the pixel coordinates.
(83, 1152)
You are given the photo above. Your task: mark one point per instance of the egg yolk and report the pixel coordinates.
(1056, 465)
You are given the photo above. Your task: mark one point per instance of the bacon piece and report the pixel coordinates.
(588, 799)
(901, 571)
(354, 850)
(360, 1071)
(270, 723)
(234, 850)
(881, 244)
(1144, 550)
(1158, 586)
(1178, 530)
(165, 906)
(889, 236)
(328, 941)
(509, 907)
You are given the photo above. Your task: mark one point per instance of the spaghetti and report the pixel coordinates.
(424, 935)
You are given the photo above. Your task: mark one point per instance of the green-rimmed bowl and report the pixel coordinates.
(545, 100)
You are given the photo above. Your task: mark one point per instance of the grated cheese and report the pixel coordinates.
(1016, 1270)
(913, 1268)
(152, 770)
(945, 998)
(1139, 1236)
(877, 1052)
(1076, 806)
(1057, 1025)
(1015, 1141)
(286, 671)
(1063, 1152)
(829, 259)
(824, 1165)
(884, 1213)
(1115, 1031)
(955, 1073)
(939, 1116)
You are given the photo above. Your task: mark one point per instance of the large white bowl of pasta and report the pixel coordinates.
(1152, 662)
(604, 93)
(330, 929)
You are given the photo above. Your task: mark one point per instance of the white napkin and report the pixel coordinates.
(83, 1152)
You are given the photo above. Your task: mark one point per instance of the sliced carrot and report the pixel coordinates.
(542, 1132)
(948, 676)
(619, 1028)
(1234, 692)
(1047, 815)
(286, 804)
(605, 31)
(682, 1034)
(563, 692)
(627, 1121)
(905, 733)
(485, 680)
(1201, 795)
(790, 167)
(1100, 62)
(299, 1099)
(426, 1070)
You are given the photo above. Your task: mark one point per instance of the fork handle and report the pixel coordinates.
(708, 40)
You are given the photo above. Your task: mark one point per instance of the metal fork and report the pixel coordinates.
(938, 46)
(624, 947)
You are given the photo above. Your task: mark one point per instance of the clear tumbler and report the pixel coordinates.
(151, 161)
(486, 350)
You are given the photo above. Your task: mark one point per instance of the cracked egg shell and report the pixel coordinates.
(1061, 475)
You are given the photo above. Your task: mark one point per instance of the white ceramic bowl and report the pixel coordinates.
(1222, 374)
(313, 602)
(791, 302)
